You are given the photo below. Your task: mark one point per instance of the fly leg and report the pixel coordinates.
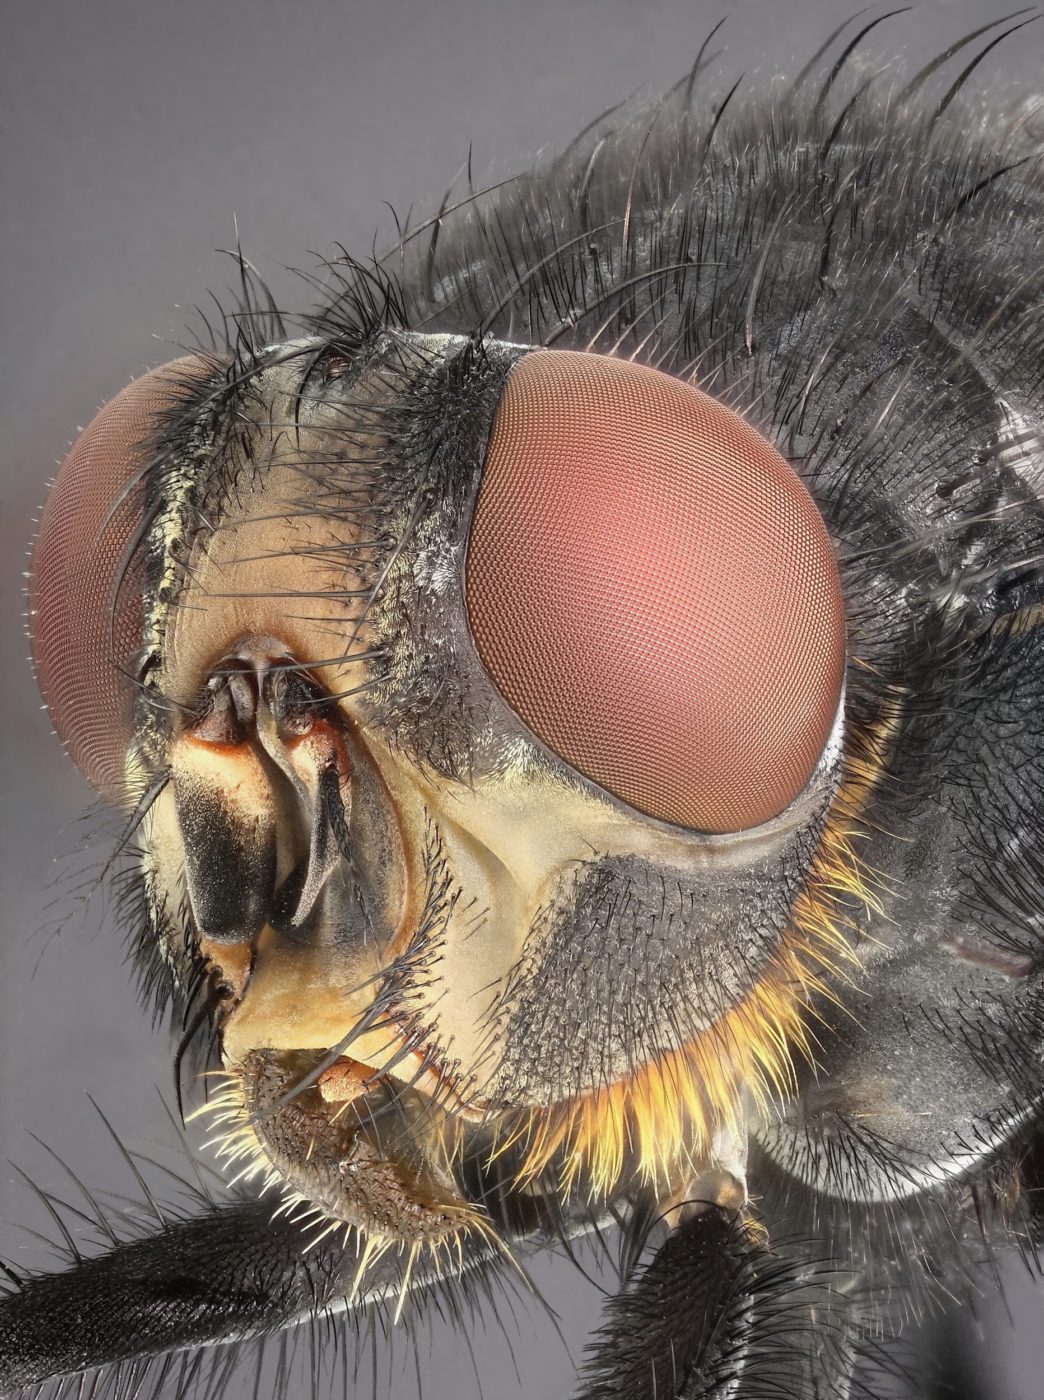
(717, 1316)
(235, 1272)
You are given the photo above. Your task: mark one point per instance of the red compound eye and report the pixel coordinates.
(653, 591)
(84, 620)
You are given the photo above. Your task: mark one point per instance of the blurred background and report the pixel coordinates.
(138, 137)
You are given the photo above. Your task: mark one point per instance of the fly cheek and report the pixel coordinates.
(653, 591)
(87, 577)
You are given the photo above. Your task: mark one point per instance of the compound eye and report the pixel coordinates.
(86, 581)
(653, 591)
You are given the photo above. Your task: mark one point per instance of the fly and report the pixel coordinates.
(574, 698)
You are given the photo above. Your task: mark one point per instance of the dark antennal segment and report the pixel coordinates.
(857, 273)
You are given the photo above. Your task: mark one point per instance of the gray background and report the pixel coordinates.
(135, 137)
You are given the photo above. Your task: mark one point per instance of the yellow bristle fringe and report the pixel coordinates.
(663, 1117)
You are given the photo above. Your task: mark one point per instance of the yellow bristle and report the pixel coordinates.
(666, 1113)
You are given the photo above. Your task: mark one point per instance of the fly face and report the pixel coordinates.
(587, 759)
(438, 723)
